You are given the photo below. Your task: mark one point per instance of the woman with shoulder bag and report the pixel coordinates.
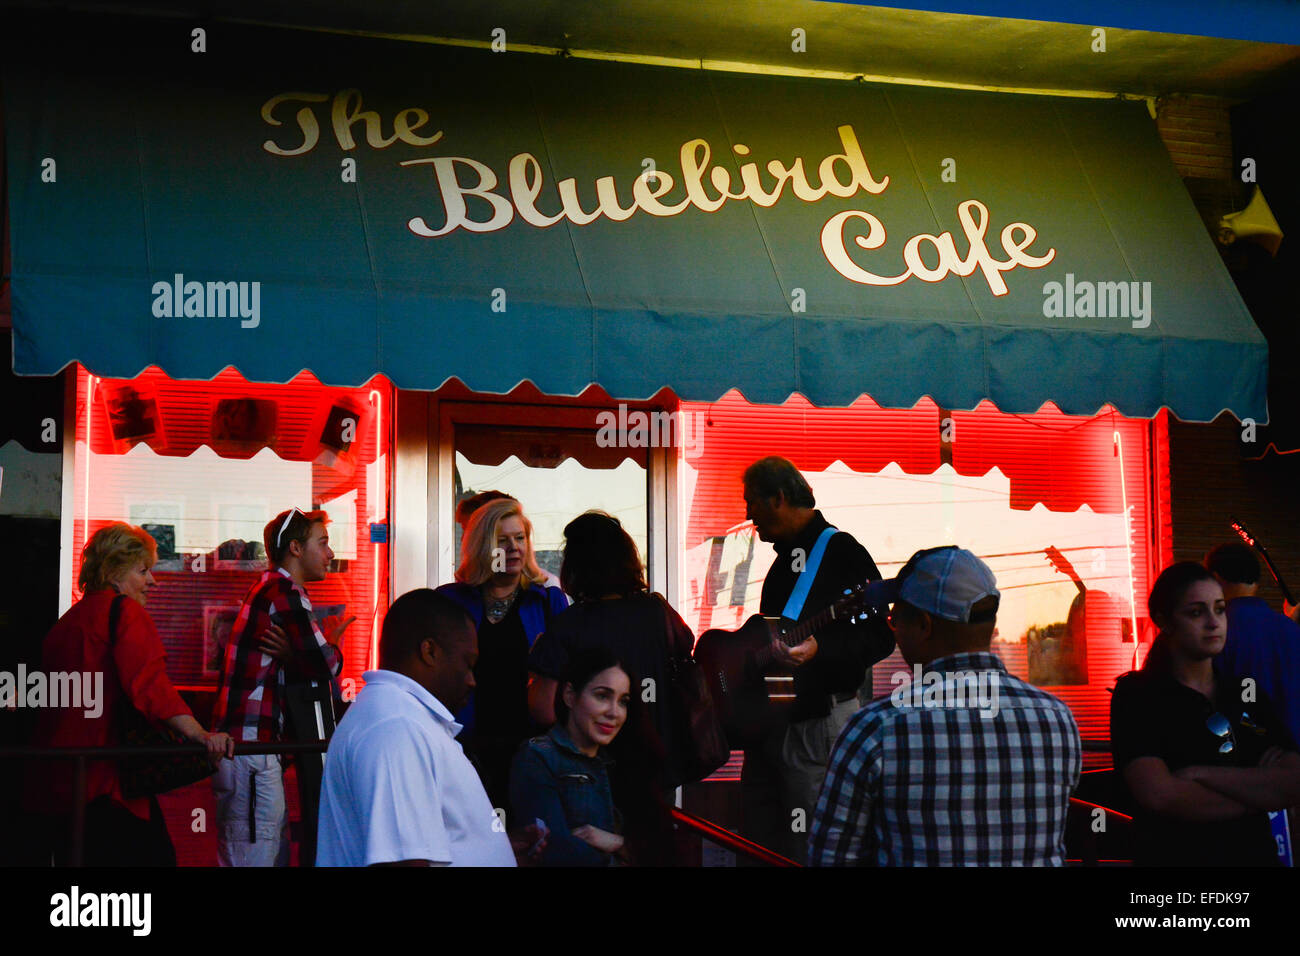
(126, 668)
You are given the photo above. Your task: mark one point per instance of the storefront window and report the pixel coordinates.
(1060, 507)
(203, 466)
(557, 474)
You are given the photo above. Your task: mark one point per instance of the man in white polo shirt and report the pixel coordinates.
(398, 789)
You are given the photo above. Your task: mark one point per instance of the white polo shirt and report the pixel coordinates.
(399, 787)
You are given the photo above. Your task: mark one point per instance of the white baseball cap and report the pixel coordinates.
(947, 582)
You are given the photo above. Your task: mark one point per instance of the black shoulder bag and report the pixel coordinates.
(149, 774)
(699, 742)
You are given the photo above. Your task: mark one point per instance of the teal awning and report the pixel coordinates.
(282, 201)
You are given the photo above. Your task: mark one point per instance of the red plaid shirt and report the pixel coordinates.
(250, 698)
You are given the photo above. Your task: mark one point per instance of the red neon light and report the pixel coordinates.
(162, 452)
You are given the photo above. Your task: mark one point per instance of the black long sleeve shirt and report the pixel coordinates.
(844, 650)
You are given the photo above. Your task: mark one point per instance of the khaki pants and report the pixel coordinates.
(782, 778)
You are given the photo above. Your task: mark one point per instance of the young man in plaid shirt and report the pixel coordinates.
(974, 767)
(275, 647)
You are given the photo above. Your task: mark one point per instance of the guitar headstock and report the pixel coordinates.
(1060, 562)
(1243, 532)
(862, 601)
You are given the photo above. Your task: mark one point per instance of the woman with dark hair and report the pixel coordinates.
(562, 779)
(614, 611)
(109, 634)
(1203, 759)
(502, 588)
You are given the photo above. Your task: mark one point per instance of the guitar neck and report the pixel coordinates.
(1244, 533)
(807, 627)
(1272, 569)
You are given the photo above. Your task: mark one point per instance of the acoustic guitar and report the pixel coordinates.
(750, 690)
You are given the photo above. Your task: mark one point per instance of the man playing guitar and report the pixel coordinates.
(786, 763)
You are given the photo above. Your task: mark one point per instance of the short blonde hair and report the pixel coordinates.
(480, 539)
(111, 550)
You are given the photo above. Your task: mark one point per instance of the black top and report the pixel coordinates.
(844, 650)
(501, 721)
(636, 630)
(1153, 715)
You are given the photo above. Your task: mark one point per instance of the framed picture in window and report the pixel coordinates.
(239, 531)
(242, 427)
(218, 622)
(133, 415)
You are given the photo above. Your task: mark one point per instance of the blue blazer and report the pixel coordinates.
(537, 605)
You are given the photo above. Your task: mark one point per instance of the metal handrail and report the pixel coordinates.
(705, 828)
(161, 750)
(732, 841)
(82, 754)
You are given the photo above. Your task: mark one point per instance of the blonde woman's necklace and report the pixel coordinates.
(498, 608)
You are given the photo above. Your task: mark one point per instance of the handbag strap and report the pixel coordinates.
(114, 615)
(675, 660)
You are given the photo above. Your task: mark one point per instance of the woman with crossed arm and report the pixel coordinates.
(561, 777)
(1202, 753)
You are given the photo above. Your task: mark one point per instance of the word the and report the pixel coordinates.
(72, 690)
(211, 300)
(946, 690)
(345, 112)
(1085, 299)
(102, 909)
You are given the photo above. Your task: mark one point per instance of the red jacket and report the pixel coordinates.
(78, 642)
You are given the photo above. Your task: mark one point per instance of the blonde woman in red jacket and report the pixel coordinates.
(131, 664)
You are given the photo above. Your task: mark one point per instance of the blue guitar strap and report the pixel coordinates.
(799, 595)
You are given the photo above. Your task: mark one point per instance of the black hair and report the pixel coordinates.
(600, 558)
(1166, 594)
(1234, 562)
(583, 666)
(416, 616)
(773, 476)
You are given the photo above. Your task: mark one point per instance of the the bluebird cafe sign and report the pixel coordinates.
(393, 208)
(521, 192)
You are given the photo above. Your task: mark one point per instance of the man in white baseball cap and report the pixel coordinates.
(978, 763)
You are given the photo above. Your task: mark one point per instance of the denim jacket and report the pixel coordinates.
(551, 780)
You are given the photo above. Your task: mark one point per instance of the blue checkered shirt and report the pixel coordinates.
(921, 779)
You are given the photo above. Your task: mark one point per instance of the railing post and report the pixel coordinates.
(78, 813)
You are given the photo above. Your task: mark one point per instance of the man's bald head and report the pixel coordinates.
(417, 616)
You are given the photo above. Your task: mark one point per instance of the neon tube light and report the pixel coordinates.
(85, 510)
(1128, 545)
(377, 400)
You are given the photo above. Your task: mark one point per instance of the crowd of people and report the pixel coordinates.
(519, 719)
